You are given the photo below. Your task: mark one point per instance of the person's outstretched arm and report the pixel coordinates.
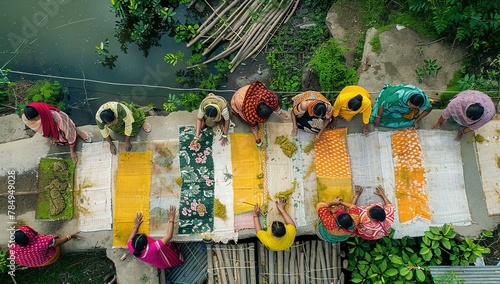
(280, 204)
(62, 240)
(380, 192)
(256, 221)
(137, 223)
(170, 229)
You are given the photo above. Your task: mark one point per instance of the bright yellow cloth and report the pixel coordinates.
(277, 244)
(409, 174)
(340, 106)
(131, 195)
(247, 172)
(333, 166)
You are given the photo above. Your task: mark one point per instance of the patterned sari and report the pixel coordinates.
(40, 250)
(370, 229)
(328, 229)
(159, 254)
(397, 113)
(130, 119)
(305, 118)
(244, 103)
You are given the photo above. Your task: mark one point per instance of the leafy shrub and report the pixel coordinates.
(45, 91)
(328, 62)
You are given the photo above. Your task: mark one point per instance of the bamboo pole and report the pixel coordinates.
(210, 266)
(235, 16)
(216, 266)
(335, 263)
(312, 263)
(280, 266)
(221, 264)
(252, 265)
(328, 258)
(302, 273)
(292, 11)
(242, 264)
(322, 260)
(228, 266)
(293, 255)
(270, 263)
(286, 266)
(215, 12)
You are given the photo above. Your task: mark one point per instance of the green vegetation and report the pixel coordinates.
(106, 59)
(407, 260)
(328, 61)
(46, 91)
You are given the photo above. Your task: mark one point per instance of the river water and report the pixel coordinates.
(58, 38)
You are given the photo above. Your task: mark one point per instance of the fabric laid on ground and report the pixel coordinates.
(333, 169)
(409, 174)
(165, 182)
(131, 194)
(304, 174)
(445, 178)
(55, 189)
(197, 190)
(280, 179)
(224, 195)
(488, 153)
(93, 187)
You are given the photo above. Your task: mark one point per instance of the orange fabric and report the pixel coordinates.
(246, 161)
(132, 194)
(333, 166)
(409, 175)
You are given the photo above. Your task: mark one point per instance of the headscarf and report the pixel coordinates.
(257, 93)
(49, 127)
(37, 252)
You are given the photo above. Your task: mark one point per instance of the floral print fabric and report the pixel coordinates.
(197, 190)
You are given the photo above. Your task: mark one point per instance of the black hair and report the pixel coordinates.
(377, 213)
(474, 111)
(355, 103)
(139, 242)
(20, 238)
(278, 229)
(319, 109)
(30, 112)
(417, 100)
(345, 221)
(264, 111)
(211, 111)
(107, 116)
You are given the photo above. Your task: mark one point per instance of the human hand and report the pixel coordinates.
(294, 130)
(138, 219)
(358, 190)
(280, 204)
(436, 125)
(376, 122)
(283, 114)
(337, 201)
(459, 135)
(224, 142)
(112, 148)
(365, 130)
(128, 146)
(256, 209)
(77, 235)
(171, 212)
(415, 125)
(74, 156)
(380, 191)
(193, 143)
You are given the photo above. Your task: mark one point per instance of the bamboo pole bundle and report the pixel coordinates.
(210, 266)
(227, 265)
(215, 13)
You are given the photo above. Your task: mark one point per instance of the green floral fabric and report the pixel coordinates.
(197, 190)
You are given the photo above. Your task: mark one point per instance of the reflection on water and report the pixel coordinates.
(59, 38)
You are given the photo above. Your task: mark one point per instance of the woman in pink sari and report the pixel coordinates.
(160, 253)
(32, 249)
(375, 220)
(53, 124)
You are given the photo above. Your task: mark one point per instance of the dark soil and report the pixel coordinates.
(493, 243)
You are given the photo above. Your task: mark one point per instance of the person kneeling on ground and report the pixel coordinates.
(336, 224)
(54, 124)
(213, 109)
(375, 220)
(311, 112)
(32, 249)
(351, 101)
(254, 104)
(469, 109)
(160, 253)
(278, 236)
(121, 119)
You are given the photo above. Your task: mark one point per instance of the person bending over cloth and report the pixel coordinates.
(278, 236)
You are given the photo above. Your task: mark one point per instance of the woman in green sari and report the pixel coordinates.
(122, 119)
(403, 105)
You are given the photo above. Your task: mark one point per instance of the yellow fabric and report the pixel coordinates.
(340, 106)
(245, 158)
(409, 175)
(333, 166)
(131, 194)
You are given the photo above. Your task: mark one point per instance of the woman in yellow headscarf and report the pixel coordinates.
(351, 101)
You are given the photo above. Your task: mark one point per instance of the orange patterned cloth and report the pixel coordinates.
(255, 94)
(132, 194)
(409, 175)
(333, 166)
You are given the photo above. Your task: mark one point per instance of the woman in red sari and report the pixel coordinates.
(160, 253)
(54, 124)
(32, 249)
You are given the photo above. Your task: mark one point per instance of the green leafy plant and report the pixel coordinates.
(184, 33)
(3, 261)
(430, 69)
(50, 92)
(172, 58)
(328, 61)
(106, 59)
(191, 101)
(172, 103)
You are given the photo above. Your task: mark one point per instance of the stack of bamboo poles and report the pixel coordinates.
(247, 26)
(307, 262)
(232, 264)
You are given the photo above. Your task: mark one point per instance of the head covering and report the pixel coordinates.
(38, 251)
(209, 119)
(49, 126)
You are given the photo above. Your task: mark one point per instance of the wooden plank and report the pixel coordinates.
(312, 263)
(328, 258)
(262, 263)
(280, 267)
(270, 263)
(335, 263)
(302, 272)
(228, 265)
(289, 272)
(242, 263)
(251, 265)
(210, 267)
(220, 263)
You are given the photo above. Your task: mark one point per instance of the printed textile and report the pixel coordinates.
(197, 190)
